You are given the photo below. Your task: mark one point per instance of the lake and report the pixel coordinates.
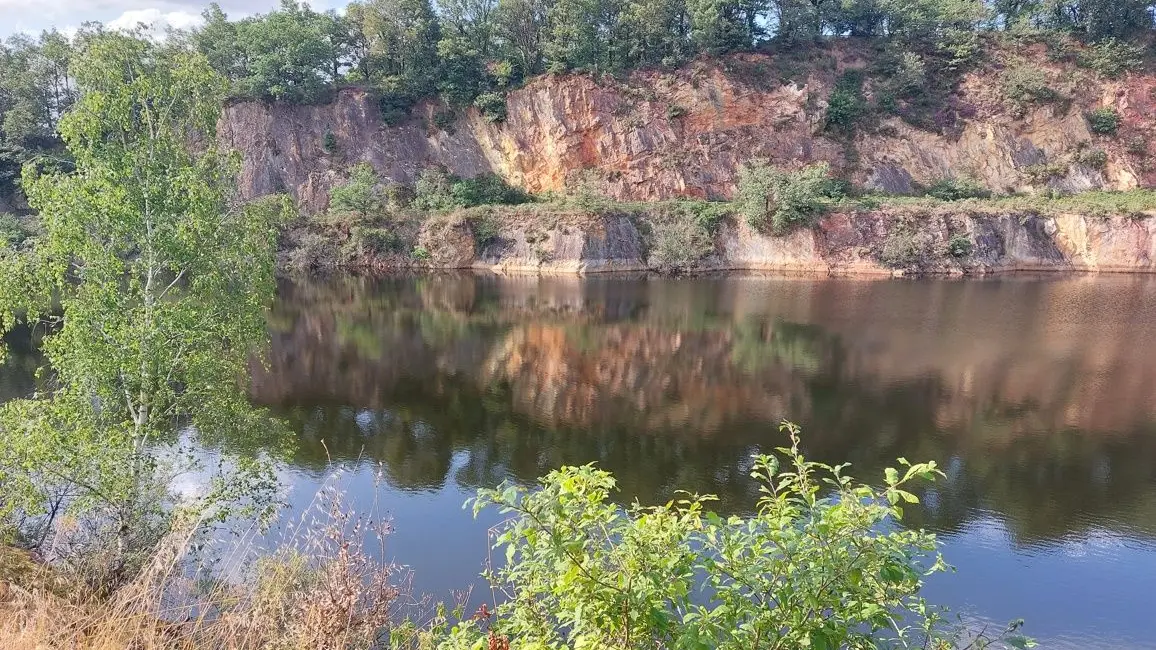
(1036, 395)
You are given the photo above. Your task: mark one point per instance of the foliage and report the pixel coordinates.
(1024, 84)
(785, 198)
(444, 121)
(484, 229)
(395, 107)
(1104, 121)
(820, 564)
(360, 196)
(1094, 158)
(908, 247)
(955, 189)
(492, 105)
(436, 189)
(329, 143)
(285, 55)
(421, 253)
(910, 76)
(674, 111)
(12, 232)
(960, 245)
(1112, 57)
(682, 234)
(433, 190)
(326, 587)
(846, 104)
(1044, 172)
(161, 282)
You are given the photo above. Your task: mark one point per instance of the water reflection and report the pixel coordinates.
(1039, 396)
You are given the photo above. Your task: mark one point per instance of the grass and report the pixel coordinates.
(1095, 203)
(323, 586)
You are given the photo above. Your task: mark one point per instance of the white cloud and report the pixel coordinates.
(155, 19)
(35, 15)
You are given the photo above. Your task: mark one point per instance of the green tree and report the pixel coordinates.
(656, 32)
(575, 36)
(156, 284)
(717, 26)
(361, 196)
(520, 26)
(287, 54)
(219, 41)
(785, 198)
(401, 39)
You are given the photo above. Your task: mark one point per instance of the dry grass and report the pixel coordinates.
(323, 587)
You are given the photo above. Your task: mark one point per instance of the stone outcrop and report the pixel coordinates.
(683, 133)
(935, 241)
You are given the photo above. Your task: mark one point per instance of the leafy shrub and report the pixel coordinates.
(437, 189)
(1045, 172)
(846, 104)
(314, 251)
(375, 240)
(708, 214)
(395, 107)
(12, 232)
(492, 106)
(360, 196)
(1104, 121)
(485, 189)
(960, 245)
(1094, 158)
(955, 189)
(674, 111)
(910, 75)
(484, 229)
(1137, 145)
(421, 254)
(907, 247)
(819, 565)
(681, 235)
(432, 190)
(398, 196)
(786, 198)
(1112, 57)
(1025, 84)
(444, 121)
(329, 142)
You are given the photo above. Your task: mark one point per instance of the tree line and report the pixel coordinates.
(462, 49)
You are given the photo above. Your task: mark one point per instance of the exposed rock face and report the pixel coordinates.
(862, 243)
(684, 133)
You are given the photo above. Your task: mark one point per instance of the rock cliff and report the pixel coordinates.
(943, 239)
(683, 133)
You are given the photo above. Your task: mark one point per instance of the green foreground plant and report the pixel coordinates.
(820, 564)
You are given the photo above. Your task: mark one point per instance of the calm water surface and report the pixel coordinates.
(1037, 396)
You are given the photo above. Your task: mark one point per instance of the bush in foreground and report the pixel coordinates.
(821, 564)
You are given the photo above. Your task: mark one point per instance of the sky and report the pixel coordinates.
(35, 15)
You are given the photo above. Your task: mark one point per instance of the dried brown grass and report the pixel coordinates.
(324, 586)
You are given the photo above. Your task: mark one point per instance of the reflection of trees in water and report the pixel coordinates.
(671, 386)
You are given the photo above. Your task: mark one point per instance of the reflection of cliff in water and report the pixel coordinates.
(1038, 397)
